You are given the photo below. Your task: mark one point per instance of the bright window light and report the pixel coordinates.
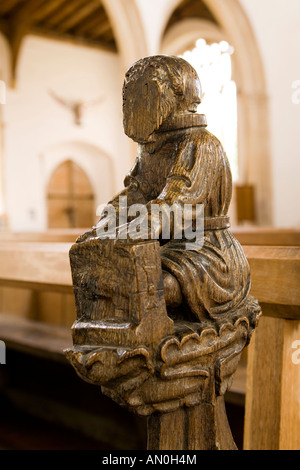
(219, 100)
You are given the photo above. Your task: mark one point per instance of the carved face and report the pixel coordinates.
(154, 89)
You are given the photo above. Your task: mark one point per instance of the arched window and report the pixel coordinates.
(219, 93)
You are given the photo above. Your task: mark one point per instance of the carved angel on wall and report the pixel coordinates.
(77, 107)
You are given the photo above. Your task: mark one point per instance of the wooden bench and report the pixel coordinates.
(41, 396)
(51, 235)
(272, 419)
(272, 416)
(36, 338)
(42, 303)
(266, 236)
(247, 235)
(35, 281)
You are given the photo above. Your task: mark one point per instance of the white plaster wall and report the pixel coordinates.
(34, 123)
(276, 25)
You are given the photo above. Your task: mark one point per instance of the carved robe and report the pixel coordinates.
(189, 166)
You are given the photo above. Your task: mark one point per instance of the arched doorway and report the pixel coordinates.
(70, 197)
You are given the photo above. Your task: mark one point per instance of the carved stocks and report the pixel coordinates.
(160, 283)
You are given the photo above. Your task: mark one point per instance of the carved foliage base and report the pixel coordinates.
(125, 342)
(187, 368)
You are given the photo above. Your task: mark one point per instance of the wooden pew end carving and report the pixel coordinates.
(162, 319)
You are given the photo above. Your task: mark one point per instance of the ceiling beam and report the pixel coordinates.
(78, 16)
(99, 30)
(4, 27)
(90, 22)
(20, 24)
(7, 5)
(63, 13)
(109, 37)
(48, 9)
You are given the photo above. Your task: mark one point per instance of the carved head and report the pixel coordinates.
(155, 88)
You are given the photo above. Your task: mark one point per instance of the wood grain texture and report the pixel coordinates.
(37, 338)
(276, 273)
(267, 236)
(36, 265)
(161, 321)
(272, 420)
(203, 427)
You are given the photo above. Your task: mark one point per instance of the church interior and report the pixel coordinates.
(64, 154)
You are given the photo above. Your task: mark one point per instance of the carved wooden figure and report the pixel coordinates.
(161, 285)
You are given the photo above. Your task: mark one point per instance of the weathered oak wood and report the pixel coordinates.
(49, 236)
(275, 271)
(37, 338)
(272, 420)
(162, 299)
(202, 427)
(276, 274)
(267, 236)
(249, 236)
(35, 265)
(285, 312)
(264, 263)
(40, 265)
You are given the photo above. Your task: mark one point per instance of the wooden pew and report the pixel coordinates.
(272, 419)
(28, 287)
(277, 317)
(42, 406)
(247, 235)
(51, 235)
(53, 306)
(272, 412)
(38, 386)
(267, 236)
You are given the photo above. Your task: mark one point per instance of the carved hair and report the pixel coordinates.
(155, 88)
